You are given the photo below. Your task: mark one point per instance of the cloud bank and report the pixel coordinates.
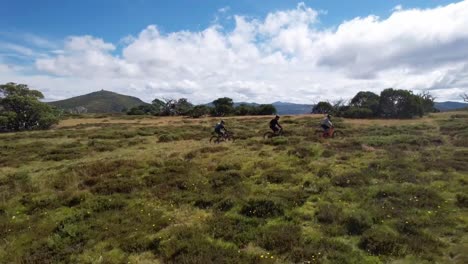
(284, 56)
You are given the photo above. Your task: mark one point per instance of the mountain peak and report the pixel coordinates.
(102, 101)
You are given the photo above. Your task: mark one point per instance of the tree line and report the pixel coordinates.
(391, 103)
(21, 108)
(182, 107)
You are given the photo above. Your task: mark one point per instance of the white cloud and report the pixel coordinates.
(397, 8)
(284, 56)
(16, 49)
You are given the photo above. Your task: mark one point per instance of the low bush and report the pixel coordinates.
(168, 138)
(381, 240)
(277, 176)
(328, 213)
(462, 200)
(350, 179)
(357, 222)
(187, 245)
(262, 209)
(281, 238)
(238, 230)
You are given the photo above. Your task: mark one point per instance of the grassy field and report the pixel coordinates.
(153, 190)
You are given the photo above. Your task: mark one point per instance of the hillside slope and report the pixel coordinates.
(99, 102)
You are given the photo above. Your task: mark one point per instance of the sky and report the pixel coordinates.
(252, 51)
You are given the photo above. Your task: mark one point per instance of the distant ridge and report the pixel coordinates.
(447, 106)
(284, 108)
(98, 102)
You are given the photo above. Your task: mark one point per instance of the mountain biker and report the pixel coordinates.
(274, 124)
(220, 129)
(326, 123)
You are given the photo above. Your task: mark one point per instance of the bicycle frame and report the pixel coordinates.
(330, 132)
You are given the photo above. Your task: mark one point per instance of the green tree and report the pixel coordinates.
(322, 108)
(183, 106)
(147, 109)
(358, 112)
(400, 104)
(367, 100)
(223, 106)
(428, 102)
(158, 105)
(266, 109)
(20, 109)
(199, 111)
(245, 109)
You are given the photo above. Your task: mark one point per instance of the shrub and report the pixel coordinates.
(303, 152)
(277, 175)
(328, 213)
(357, 112)
(462, 200)
(237, 230)
(358, 222)
(203, 203)
(281, 238)
(188, 245)
(350, 179)
(225, 205)
(228, 166)
(261, 209)
(168, 138)
(325, 172)
(216, 149)
(381, 240)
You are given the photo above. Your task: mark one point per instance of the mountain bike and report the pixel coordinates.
(270, 134)
(331, 133)
(227, 137)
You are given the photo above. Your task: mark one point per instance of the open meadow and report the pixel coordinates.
(139, 189)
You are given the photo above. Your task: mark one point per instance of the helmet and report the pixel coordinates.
(277, 116)
(222, 121)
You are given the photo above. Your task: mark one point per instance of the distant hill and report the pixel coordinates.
(447, 106)
(284, 108)
(98, 102)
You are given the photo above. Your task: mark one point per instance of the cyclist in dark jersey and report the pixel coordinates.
(220, 129)
(274, 124)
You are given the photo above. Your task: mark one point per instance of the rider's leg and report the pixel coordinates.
(326, 130)
(275, 130)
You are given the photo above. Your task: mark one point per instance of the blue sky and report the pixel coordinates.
(245, 49)
(114, 19)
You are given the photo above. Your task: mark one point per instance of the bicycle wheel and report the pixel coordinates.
(338, 134)
(214, 140)
(268, 135)
(230, 138)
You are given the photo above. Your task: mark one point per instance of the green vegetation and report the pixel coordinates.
(20, 109)
(98, 102)
(182, 107)
(391, 103)
(153, 190)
